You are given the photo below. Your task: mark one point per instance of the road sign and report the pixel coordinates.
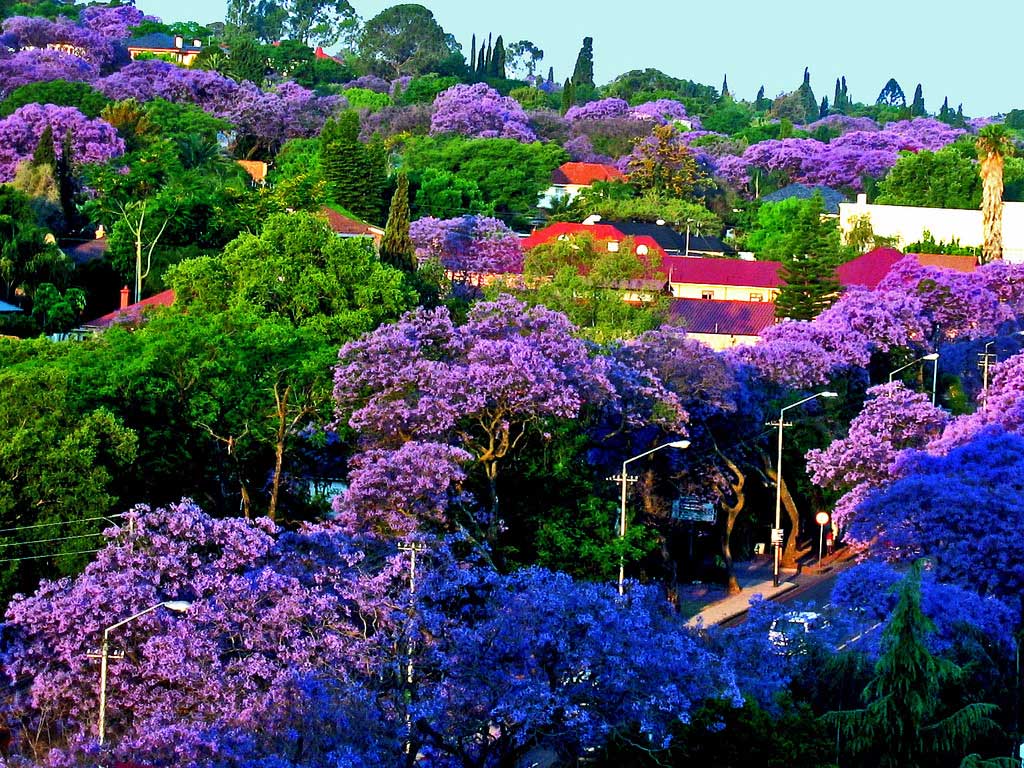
(777, 537)
(690, 509)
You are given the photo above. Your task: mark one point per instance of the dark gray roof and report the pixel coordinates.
(161, 41)
(670, 239)
(831, 196)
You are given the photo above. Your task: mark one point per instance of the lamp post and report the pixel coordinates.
(821, 519)
(777, 530)
(179, 606)
(623, 478)
(934, 358)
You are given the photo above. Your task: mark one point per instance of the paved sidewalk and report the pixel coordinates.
(756, 579)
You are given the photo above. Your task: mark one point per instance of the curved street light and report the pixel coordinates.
(777, 531)
(934, 358)
(178, 606)
(622, 511)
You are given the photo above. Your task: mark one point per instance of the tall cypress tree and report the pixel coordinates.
(488, 55)
(945, 114)
(809, 268)
(583, 73)
(64, 170)
(568, 96)
(551, 75)
(917, 105)
(481, 60)
(725, 87)
(472, 53)
(396, 248)
(45, 152)
(498, 59)
(823, 109)
(807, 99)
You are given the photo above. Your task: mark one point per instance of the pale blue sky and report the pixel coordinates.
(943, 45)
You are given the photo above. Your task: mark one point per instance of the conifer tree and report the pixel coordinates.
(823, 109)
(551, 75)
(725, 87)
(807, 99)
(892, 94)
(353, 173)
(396, 248)
(45, 152)
(945, 114)
(568, 96)
(488, 56)
(583, 73)
(917, 106)
(762, 104)
(904, 718)
(472, 54)
(481, 60)
(498, 59)
(813, 252)
(64, 171)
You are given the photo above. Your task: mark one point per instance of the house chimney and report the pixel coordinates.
(179, 41)
(124, 297)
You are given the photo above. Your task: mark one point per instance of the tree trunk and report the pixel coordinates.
(992, 207)
(790, 551)
(281, 400)
(732, 512)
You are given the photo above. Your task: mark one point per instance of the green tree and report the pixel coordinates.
(404, 40)
(943, 179)
(568, 96)
(664, 164)
(396, 248)
(26, 258)
(81, 96)
(905, 722)
(892, 95)
(447, 195)
(807, 99)
(811, 254)
(523, 58)
(56, 311)
(497, 64)
(247, 61)
(509, 174)
(583, 72)
(354, 175)
(591, 282)
(317, 22)
(917, 105)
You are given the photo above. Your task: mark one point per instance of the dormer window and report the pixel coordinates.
(641, 250)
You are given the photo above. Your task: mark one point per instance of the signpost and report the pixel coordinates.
(690, 509)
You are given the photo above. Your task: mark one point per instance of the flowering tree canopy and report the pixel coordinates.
(468, 244)
(113, 23)
(40, 65)
(92, 140)
(479, 111)
(36, 32)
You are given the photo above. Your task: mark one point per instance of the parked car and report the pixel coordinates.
(790, 631)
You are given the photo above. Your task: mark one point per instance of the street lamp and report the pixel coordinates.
(821, 519)
(934, 358)
(622, 511)
(777, 531)
(178, 606)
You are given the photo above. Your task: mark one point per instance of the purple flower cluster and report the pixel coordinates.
(34, 32)
(844, 161)
(371, 83)
(112, 23)
(468, 245)
(92, 140)
(479, 111)
(598, 110)
(841, 123)
(38, 65)
(664, 111)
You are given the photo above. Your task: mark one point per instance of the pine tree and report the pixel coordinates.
(472, 54)
(45, 152)
(809, 269)
(551, 75)
(498, 59)
(892, 95)
(823, 109)
(489, 54)
(481, 61)
(917, 106)
(837, 98)
(725, 87)
(761, 104)
(945, 114)
(583, 73)
(354, 173)
(568, 96)
(396, 248)
(904, 719)
(64, 171)
(959, 121)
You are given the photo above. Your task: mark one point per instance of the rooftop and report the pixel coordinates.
(731, 318)
(869, 270)
(585, 174)
(711, 271)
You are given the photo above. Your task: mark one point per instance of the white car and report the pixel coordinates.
(789, 631)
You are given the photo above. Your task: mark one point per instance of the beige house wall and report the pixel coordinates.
(722, 341)
(907, 224)
(723, 292)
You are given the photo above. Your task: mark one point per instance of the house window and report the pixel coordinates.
(613, 247)
(757, 296)
(707, 294)
(641, 250)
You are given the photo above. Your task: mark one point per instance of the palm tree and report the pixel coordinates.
(994, 145)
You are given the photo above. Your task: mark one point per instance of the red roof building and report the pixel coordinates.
(722, 324)
(585, 174)
(722, 279)
(346, 226)
(871, 268)
(131, 313)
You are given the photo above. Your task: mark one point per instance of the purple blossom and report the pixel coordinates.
(39, 65)
(35, 32)
(371, 83)
(112, 23)
(664, 111)
(479, 111)
(843, 124)
(581, 150)
(600, 109)
(478, 245)
(93, 140)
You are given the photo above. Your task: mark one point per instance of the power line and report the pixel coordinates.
(49, 541)
(52, 555)
(60, 522)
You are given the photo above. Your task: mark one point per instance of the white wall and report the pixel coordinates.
(945, 224)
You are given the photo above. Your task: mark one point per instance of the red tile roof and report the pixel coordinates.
(346, 225)
(709, 271)
(132, 312)
(869, 269)
(569, 229)
(585, 174)
(730, 318)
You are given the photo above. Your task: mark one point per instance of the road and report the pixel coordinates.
(812, 587)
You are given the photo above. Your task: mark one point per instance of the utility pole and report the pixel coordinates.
(412, 549)
(623, 479)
